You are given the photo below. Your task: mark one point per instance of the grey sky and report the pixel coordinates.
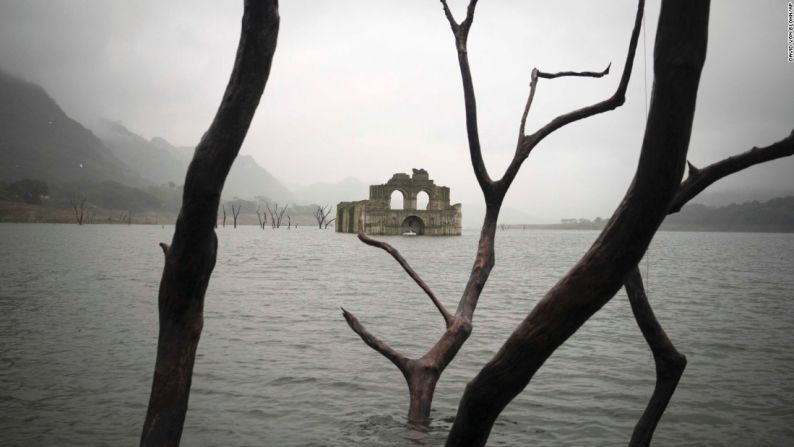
(366, 88)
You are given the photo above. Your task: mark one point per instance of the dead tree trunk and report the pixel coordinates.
(236, 213)
(79, 211)
(276, 214)
(668, 361)
(262, 221)
(423, 373)
(321, 214)
(190, 258)
(224, 216)
(678, 60)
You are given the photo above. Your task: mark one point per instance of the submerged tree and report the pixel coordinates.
(679, 56)
(190, 258)
(422, 374)
(79, 210)
(236, 213)
(321, 214)
(262, 218)
(276, 213)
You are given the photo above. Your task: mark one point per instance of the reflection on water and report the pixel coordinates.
(277, 365)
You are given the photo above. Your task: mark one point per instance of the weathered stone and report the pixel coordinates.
(439, 219)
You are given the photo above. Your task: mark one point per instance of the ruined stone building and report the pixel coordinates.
(439, 218)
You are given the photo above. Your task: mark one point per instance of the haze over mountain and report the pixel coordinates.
(158, 161)
(331, 193)
(38, 140)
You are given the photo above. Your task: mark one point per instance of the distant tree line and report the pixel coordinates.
(777, 214)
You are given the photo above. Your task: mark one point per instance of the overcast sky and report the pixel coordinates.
(366, 88)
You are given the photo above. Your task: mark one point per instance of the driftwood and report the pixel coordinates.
(190, 258)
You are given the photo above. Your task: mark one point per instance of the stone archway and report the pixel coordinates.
(413, 224)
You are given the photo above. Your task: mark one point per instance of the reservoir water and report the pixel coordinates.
(277, 365)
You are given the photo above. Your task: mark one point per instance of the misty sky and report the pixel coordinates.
(366, 88)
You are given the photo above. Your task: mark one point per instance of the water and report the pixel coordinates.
(277, 365)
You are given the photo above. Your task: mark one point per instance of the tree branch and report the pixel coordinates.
(404, 264)
(461, 33)
(669, 362)
(678, 61)
(452, 23)
(375, 343)
(700, 179)
(190, 259)
(526, 143)
(614, 101)
(533, 85)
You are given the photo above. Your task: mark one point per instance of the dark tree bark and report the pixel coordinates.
(236, 213)
(190, 258)
(668, 361)
(423, 373)
(678, 60)
(224, 215)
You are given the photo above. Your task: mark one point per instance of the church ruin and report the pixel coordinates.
(439, 218)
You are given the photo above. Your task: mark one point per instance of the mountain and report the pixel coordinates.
(39, 141)
(160, 162)
(772, 215)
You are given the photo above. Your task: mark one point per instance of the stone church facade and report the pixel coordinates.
(438, 219)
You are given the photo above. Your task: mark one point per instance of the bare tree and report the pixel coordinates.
(236, 213)
(190, 258)
(423, 373)
(224, 216)
(329, 223)
(678, 60)
(262, 218)
(276, 213)
(321, 214)
(79, 210)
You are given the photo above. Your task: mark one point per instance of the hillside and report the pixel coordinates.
(159, 162)
(771, 215)
(38, 140)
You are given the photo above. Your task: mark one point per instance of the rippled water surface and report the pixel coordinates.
(277, 365)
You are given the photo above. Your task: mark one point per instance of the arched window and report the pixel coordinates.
(397, 199)
(422, 200)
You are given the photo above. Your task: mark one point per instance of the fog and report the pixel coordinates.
(368, 88)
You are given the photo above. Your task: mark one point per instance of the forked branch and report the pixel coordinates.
(408, 269)
(534, 82)
(669, 362)
(461, 32)
(528, 142)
